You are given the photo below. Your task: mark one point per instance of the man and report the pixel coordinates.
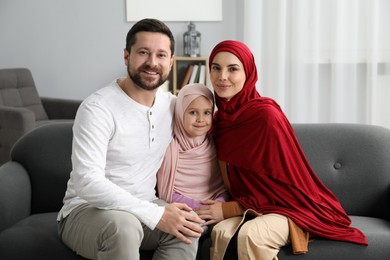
(120, 135)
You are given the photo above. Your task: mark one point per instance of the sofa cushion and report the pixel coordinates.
(35, 237)
(378, 235)
(353, 161)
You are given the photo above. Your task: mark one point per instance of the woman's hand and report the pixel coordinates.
(211, 212)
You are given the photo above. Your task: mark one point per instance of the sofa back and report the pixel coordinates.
(17, 89)
(352, 160)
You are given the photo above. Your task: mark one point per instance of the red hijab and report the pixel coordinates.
(268, 171)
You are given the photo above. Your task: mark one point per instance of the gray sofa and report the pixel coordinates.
(352, 160)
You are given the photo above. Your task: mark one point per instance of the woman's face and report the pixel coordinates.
(227, 75)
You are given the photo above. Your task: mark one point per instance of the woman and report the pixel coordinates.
(190, 173)
(276, 196)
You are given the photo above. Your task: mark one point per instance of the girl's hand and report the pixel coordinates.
(211, 212)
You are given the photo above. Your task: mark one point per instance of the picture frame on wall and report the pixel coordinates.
(174, 10)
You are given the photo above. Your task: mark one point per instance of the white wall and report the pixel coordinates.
(74, 47)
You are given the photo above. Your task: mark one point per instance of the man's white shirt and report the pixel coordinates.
(118, 146)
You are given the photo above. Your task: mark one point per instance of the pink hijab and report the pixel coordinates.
(190, 165)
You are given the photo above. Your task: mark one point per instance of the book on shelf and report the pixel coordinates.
(202, 74)
(187, 76)
(193, 74)
(198, 73)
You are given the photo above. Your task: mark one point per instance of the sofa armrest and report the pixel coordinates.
(14, 123)
(57, 108)
(17, 118)
(15, 194)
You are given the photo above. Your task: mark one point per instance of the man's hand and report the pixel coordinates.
(178, 221)
(211, 212)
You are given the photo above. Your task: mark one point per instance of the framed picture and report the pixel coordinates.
(174, 10)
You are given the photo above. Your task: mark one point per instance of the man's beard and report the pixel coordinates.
(136, 78)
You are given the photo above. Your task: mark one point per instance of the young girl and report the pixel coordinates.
(190, 173)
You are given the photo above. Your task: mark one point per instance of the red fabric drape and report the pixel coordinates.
(268, 171)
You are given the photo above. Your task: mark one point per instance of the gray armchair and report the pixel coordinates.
(22, 109)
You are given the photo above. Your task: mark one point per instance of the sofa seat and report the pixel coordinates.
(376, 230)
(34, 237)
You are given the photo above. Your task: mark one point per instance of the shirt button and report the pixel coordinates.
(150, 113)
(152, 126)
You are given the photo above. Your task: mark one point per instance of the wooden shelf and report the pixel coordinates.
(179, 69)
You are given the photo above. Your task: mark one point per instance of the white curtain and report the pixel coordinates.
(322, 60)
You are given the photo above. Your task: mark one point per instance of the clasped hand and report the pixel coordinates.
(211, 212)
(178, 221)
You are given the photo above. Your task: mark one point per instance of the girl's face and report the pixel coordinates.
(197, 118)
(227, 75)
